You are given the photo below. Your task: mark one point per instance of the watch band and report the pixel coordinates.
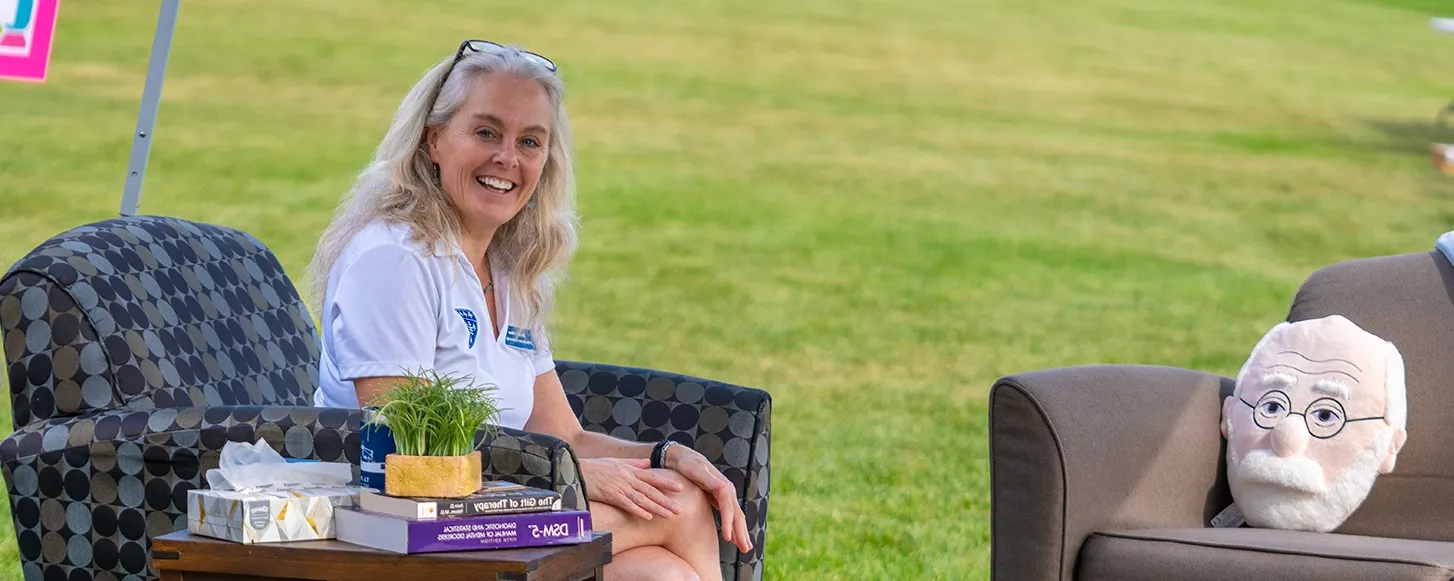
(658, 453)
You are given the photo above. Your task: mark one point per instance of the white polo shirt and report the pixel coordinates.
(391, 306)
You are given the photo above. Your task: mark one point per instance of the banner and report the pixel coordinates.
(26, 30)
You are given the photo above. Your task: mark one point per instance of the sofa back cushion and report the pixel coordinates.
(1407, 299)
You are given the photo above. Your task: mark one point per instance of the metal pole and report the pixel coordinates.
(151, 96)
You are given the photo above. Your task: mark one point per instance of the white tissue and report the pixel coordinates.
(254, 467)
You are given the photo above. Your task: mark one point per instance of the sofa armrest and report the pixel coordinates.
(536, 460)
(1079, 449)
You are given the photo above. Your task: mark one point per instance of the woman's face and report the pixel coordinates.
(492, 151)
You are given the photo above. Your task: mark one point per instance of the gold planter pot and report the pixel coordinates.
(432, 476)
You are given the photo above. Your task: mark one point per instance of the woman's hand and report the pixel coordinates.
(630, 485)
(698, 469)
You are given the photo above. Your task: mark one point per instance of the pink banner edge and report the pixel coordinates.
(49, 44)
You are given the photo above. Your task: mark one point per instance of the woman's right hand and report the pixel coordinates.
(630, 485)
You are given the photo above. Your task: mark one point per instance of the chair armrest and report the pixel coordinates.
(302, 432)
(131, 469)
(535, 460)
(192, 438)
(1079, 449)
(730, 425)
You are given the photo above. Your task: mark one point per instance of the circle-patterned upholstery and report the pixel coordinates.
(728, 424)
(88, 493)
(153, 312)
(533, 460)
(137, 347)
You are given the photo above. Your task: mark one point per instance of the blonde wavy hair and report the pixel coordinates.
(398, 187)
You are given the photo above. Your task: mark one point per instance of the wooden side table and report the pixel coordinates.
(182, 556)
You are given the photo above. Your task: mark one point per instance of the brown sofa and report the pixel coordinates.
(1113, 472)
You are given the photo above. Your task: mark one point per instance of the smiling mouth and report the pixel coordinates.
(495, 185)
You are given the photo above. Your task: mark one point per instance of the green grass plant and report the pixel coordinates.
(434, 415)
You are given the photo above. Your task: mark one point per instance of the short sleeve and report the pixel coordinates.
(543, 359)
(383, 314)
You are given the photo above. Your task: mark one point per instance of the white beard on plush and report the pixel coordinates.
(1292, 493)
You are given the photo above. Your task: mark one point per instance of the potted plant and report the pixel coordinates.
(434, 420)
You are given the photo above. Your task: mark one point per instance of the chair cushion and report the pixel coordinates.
(1250, 554)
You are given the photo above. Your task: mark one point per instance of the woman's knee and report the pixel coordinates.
(691, 499)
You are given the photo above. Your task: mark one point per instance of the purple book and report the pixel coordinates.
(466, 533)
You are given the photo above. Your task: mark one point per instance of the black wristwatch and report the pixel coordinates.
(658, 453)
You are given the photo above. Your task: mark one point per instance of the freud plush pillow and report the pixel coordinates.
(1317, 414)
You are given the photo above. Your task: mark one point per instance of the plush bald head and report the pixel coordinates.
(1318, 412)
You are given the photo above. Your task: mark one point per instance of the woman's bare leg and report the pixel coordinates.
(649, 563)
(690, 536)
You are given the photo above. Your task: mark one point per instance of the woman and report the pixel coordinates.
(446, 256)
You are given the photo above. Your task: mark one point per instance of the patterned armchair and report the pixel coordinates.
(137, 347)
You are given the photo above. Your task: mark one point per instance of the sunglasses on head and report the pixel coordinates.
(485, 45)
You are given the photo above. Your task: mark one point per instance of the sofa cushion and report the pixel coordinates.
(1249, 554)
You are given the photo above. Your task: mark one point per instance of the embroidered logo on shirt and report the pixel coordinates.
(471, 322)
(519, 338)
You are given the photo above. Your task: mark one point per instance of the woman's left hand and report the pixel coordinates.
(699, 470)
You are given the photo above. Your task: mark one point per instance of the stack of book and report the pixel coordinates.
(501, 515)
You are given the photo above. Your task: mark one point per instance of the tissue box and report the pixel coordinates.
(267, 516)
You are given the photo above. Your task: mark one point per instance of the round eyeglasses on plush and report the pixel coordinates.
(1324, 417)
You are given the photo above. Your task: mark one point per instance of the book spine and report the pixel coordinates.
(455, 508)
(522, 530)
(460, 507)
(372, 502)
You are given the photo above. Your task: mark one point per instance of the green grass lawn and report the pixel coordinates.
(871, 209)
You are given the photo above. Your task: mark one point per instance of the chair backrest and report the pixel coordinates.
(1407, 299)
(150, 312)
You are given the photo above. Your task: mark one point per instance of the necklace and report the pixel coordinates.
(491, 285)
